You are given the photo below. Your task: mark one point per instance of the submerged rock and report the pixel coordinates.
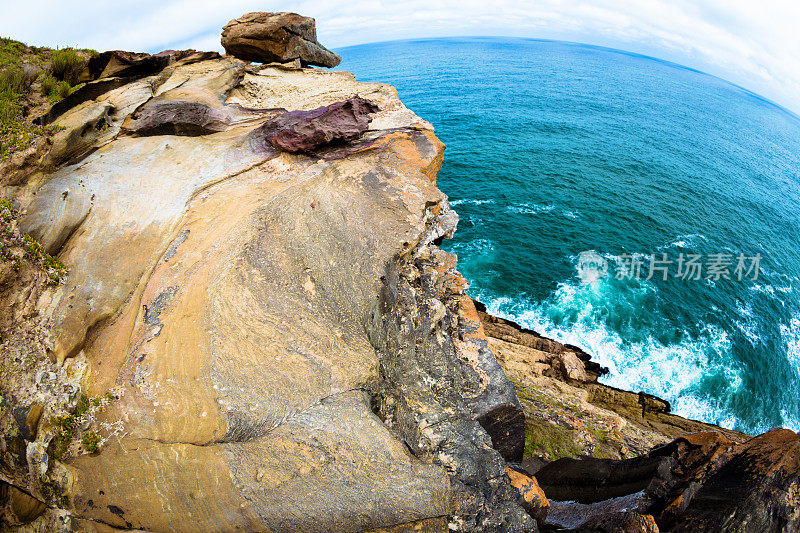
(266, 37)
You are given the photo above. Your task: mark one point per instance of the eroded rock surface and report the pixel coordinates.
(258, 331)
(266, 37)
(252, 339)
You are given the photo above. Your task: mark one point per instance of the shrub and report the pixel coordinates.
(48, 82)
(91, 441)
(66, 65)
(10, 51)
(14, 79)
(59, 91)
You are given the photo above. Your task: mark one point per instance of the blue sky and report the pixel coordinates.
(755, 44)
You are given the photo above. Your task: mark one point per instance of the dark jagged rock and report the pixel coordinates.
(700, 482)
(282, 37)
(506, 425)
(531, 494)
(754, 487)
(432, 386)
(305, 131)
(122, 64)
(589, 480)
(686, 464)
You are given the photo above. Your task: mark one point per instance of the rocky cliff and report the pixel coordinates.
(227, 310)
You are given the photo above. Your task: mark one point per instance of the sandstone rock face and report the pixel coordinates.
(258, 331)
(281, 37)
(249, 338)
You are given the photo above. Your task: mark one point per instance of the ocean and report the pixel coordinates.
(561, 155)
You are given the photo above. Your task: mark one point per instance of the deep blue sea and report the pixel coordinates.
(554, 149)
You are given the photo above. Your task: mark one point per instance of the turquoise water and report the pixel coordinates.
(556, 148)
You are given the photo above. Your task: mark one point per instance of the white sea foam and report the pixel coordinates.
(686, 241)
(771, 290)
(747, 323)
(530, 209)
(790, 420)
(471, 202)
(537, 209)
(474, 248)
(672, 371)
(791, 338)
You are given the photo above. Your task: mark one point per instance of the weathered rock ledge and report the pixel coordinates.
(258, 331)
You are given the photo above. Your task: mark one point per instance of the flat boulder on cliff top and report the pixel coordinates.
(267, 37)
(304, 131)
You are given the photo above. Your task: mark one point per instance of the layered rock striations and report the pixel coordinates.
(227, 309)
(257, 330)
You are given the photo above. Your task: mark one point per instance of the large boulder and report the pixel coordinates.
(267, 37)
(303, 131)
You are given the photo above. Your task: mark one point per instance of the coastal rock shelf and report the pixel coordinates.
(254, 329)
(229, 330)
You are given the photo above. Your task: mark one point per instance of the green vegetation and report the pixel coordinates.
(67, 65)
(15, 247)
(29, 77)
(67, 426)
(55, 90)
(550, 441)
(90, 441)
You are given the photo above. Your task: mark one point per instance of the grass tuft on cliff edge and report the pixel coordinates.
(31, 79)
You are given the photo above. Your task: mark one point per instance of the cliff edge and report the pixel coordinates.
(257, 330)
(227, 309)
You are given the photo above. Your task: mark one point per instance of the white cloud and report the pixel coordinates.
(755, 44)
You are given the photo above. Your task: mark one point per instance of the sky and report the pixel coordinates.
(752, 43)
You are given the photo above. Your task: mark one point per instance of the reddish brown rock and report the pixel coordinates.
(305, 131)
(177, 117)
(266, 37)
